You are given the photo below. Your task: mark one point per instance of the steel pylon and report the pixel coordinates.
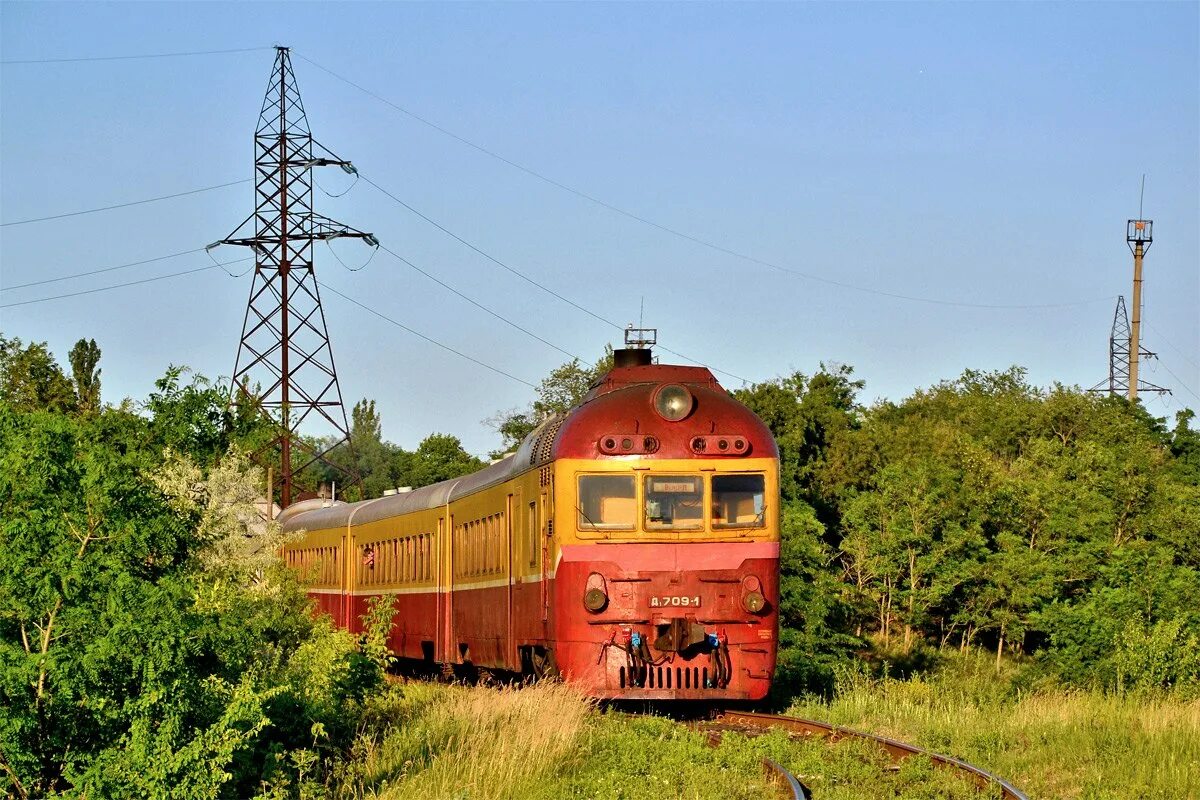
(284, 366)
(1119, 348)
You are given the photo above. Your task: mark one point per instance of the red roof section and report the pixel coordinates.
(623, 404)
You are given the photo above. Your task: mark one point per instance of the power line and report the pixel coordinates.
(420, 335)
(118, 285)
(526, 278)
(1172, 345)
(674, 232)
(127, 58)
(124, 205)
(102, 269)
(477, 304)
(489, 257)
(1178, 379)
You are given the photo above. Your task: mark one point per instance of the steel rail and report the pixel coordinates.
(786, 780)
(897, 751)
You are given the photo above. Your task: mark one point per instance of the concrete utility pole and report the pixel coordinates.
(1139, 235)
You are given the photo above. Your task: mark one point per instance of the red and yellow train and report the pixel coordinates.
(630, 545)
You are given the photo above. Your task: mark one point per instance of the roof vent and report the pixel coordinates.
(544, 445)
(388, 492)
(403, 489)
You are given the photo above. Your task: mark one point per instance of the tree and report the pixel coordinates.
(562, 389)
(84, 357)
(373, 456)
(145, 650)
(190, 417)
(31, 379)
(439, 457)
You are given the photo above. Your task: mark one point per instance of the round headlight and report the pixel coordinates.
(595, 600)
(753, 602)
(673, 402)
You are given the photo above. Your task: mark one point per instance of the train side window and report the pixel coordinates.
(607, 502)
(674, 502)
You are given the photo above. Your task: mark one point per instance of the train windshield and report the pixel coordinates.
(737, 501)
(607, 502)
(674, 502)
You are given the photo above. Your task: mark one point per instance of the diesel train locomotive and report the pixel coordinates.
(630, 546)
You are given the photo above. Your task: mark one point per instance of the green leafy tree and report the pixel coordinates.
(148, 647)
(31, 379)
(85, 374)
(438, 457)
(562, 389)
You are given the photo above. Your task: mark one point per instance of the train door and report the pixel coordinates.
(346, 580)
(509, 650)
(546, 529)
(445, 589)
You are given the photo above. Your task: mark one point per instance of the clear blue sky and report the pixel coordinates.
(984, 153)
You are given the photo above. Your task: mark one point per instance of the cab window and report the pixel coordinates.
(607, 502)
(674, 502)
(737, 501)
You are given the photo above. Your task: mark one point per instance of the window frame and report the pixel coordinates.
(586, 526)
(704, 522)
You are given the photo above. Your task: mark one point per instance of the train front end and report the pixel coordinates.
(666, 495)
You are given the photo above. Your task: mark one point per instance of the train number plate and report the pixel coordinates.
(661, 600)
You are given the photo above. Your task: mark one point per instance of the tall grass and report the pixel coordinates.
(1052, 743)
(429, 741)
(546, 742)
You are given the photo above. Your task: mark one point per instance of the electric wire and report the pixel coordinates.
(101, 270)
(529, 280)
(131, 57)
(694, 239)
(477, 304)
(123, 205)
(1178, 379)
(328, 193)
(360, 268)
(1171, 344)
(115, 286)
(420, 335)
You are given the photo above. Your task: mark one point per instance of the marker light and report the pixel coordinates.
(673, 402)
(752, 599)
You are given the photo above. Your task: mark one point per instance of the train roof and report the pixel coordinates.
(621, 402)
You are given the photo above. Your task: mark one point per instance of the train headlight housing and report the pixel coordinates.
(753, 600)
(673, 402)
(594, 600)
(595, 595)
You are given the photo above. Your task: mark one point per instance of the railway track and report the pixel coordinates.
(751, 723)
(789, 785)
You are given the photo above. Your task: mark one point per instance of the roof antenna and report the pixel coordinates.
(642, 309)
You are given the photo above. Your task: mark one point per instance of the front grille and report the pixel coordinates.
(667, 677)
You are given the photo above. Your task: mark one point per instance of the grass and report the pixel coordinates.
(547, 742)
(1051, 743)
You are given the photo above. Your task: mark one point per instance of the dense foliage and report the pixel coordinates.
(150, 646)
(1052, 525)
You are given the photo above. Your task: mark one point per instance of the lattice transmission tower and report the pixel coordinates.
(284, 366)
